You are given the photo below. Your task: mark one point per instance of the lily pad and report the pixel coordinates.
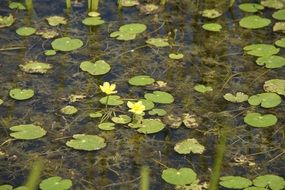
(21, 94)
(235, 182)
(158, 42)
(93, 21)
(213, 27)
(113, 100)
(176, 56)
(279, 26)
(280, 43)
(86, 142)
(50, 52)
(271, 62)
(6, 21)
(17, 5)
(257, 120)
(275, 4)
(107, 126)
(147, 103)
(100, 67)
(141, 80)
(122, 36)
(251, 7)
(159, 97)
(279, 15)
(95, 114)
(27, 132)
(183, 176)
(211, 13)
(273, 181)
(202, 88)
(94, 14)
(266, 100)
(56, 20)
(129, 3)
(47, 33)
(156, 111)
(134, 28)
(25, 31)
(1, 101)
(68, 110)
(56, 183)
(189, 145)
(35, 67)
(121, 119)
(150, 126)
(255, 188)
(6, 187)
(261, 50)
(254, 22)
(66, 44)
(237, 98)
(275, 85)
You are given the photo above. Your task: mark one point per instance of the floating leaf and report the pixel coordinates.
(149, 8)
(129, 3)
(273, 181)
(121, 119)
(93, 14)
(279, 15)
(257, 120)
(93, 21)
(6, 21)
(275, 85)
(176, 56)
(47, 33)
(150, 126)
(279, 26)
(134, 28)
(202, 88)
(6, 187)
(189, 120)
(17, 5)
(251, 7)
(56, 183)
(112, 100)
(147, 103)
(280, 43)
(158, 42)
(107, 126)
(159, 112)
(235, 182)
(56, 20)
(50, 52)
(213, 27)
(141, 80)
(68, 110)
(261, 50)
(159, 97)
(66, 44)
(100, 67)
(122, 36)
(254, 22)
(22, 188)
(237, 98)
(35, 67)
(1, 101)
(211, 13)
(95, 114)
(255, 188)
(266, 100)
(275, 4)
(27, 132)
(183, 176)
(86, 142)
(21, 94)
(271, 62)
(189, 145)
(25, 31)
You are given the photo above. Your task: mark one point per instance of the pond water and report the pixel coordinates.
(213, 59)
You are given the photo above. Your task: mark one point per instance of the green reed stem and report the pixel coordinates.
(29, 4)
(144, 182)
(35, 175)
(120, 4)
(93, 5)
(68, 4)
(163, 2)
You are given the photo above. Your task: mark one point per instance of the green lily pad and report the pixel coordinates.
(6, 187)
(255, 188)
(25, 31)
(150, 126)
(56, 20)
(35, 67)
(86, 142)
(261, 50)
(100, 67)
(176, 56)
(275, 85)
(273, 181)
(235, 182)
(1, 101)
(271, 62)
(50, 52)
(275, 4)
(6, 21)
(280, 43)
(21, 94)
(213, 27)
(123, 36)
(279, 15)
(93, 14)
(17, 5)
(156, 111)
(95, 114)
(147, 103)
(134, 28)
(202, 88)
(47, 33)
(159, 97)
(93, 21)
(121, 119)
(279, 26)
(183, 176)
(251, 7)
(189, 145)
(211, 13)
(113, 100)
(237, 98)
(158, 42)
(257, 120)
(27, 132)
(141, 80)
(107, 126)
(66, 44)
(266, 100)
(68, 110)
(56, 183)
(254, 22)
(22, 188)
(129, 3)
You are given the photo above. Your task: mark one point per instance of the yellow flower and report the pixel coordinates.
(108, 88)
(136, 108)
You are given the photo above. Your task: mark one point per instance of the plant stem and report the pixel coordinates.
(163, 2)
(29, 4)
(144, 182)
(120, 4)
(68, 4)
(93, 5)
